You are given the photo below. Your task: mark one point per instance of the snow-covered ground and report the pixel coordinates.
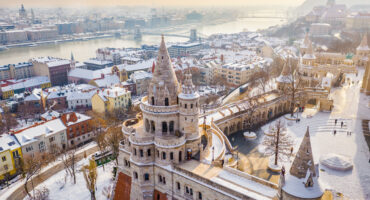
(349, 108)
(59, 190)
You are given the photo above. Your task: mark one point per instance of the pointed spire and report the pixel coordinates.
(363, 45)
(303, 162)
(188, 86)
(286, 69)
(306, 40)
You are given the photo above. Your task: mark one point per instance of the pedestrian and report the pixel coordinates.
(341, 124)
(336, 121)
(291, 150)
(335, 132)
(350, 133)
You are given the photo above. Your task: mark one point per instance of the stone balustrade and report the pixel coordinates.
(146, 107)
(166, 141)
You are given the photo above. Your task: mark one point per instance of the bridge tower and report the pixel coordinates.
(193, 35)
(137, 33)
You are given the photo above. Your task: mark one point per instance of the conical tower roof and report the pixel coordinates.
(363, 45)
(304, 159)
(164, 78)
(286, 69)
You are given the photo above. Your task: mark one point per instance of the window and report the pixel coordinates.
(141, 153)
(191, 191)
(199, 195)
(51, 139)
(135, 152)
(15, 154)
(164, 127)
(172, 124)
(180, 157)
(3, 158)
(187, 189)
(152, 125)
(135, 175)
(178, 185)
(191, 105)
(148, 152)
(186, 105)
(146, 177)
(157, 153)
(164, 155)
(160, 178)
(171, 155)
(147, 125)
(164, 180)
(166, 103)
(152, 100)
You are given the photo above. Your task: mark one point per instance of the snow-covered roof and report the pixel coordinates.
(296, 187)
(50, 115)
(107, 81)
(8, 142)
(31, 134)
(26, 83)
(114, 92)
(58, 63)
(80, 95)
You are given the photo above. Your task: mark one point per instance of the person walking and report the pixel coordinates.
(335, 121)
(341, 124)
(335, 132)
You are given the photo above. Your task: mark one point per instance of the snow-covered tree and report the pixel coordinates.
(90, 175)
(277, 142)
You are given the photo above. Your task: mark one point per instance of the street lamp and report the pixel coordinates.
(213, 153)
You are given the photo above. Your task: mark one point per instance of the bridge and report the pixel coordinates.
(193, 35)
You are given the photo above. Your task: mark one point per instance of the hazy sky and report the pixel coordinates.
(189, 3)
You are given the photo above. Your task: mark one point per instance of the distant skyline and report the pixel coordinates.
(187, 3)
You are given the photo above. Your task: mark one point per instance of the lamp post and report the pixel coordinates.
(213, 153)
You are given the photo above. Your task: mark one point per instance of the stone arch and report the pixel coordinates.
(226, 130)
(312, 101)
(239, 126)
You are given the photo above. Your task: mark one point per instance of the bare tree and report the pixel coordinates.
(30, 167)
(277, 142)
(69, 161)
(40, 194)
(102, 144)
(294, 82)
(8, 120)
(90, 175)
(114, 136)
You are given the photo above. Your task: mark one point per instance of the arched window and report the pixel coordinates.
(171, 155)
(191, 105)
(148, 152)
(146, 177)
(166, 103)
(180, 156)
(141, 153)
(147, 125)
(172, 124)
(152, 125)
(186, 105)
(164, 127)
(135, 175)
(152, 100)
(164, 155)
(135, 152)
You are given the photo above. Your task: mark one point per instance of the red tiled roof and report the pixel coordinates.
(123, 187)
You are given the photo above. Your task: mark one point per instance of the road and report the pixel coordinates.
(20, 193)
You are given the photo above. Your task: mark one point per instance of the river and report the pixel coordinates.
(83, 50)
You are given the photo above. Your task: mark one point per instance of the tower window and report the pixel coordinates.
(199, 195)
(172, 124)
(135, 152)
(164, 127)
(191, 105)
(152, 100)
(171, 155)
(166, 103)
(152, 125)
(135, 175)
(164, 155)
(186, 105)
(178, 185)
(147, 125)
(141, 153)
(146, 177)
(180, 156)
(148, 152)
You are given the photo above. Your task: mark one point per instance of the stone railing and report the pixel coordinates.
(141, 140)
(144, 106)
(251, 177)
(227, 191)
(170, 140)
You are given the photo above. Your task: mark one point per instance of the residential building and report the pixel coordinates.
(41, 34)
(94, 64)
(111, 99)
(358, 22)
(11, 87)
(181, 50)
(142, 80)
(10, 155)
(57, 100)
(78, 128)
(16, 71)
(54, 68)
(80, 100)
(319, 29)
(40, 138)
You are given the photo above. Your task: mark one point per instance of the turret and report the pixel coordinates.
(189, 112)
